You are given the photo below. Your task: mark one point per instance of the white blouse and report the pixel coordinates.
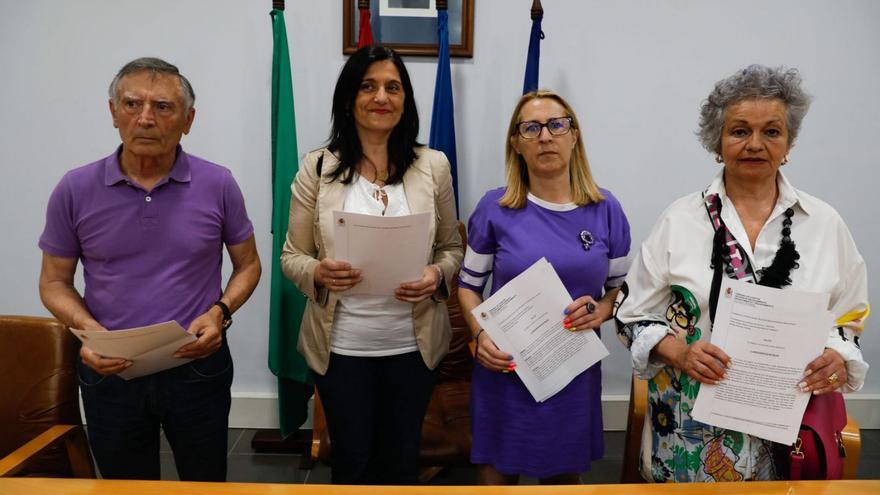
(678, 252)
(667, 292)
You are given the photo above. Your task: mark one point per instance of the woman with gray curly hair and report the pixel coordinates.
(749, 224)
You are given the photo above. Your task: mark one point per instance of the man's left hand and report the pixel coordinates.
(207, 328)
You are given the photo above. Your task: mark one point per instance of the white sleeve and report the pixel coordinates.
(849, 304)
(639, 316)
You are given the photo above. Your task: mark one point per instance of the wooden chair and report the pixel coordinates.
(635, 421)
(41, 430)
(852, 442)
(446, 430)
(638, 405)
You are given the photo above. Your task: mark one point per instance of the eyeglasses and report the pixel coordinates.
(681, 319)
(530, 129)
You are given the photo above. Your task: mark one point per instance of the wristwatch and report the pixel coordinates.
(227, 315)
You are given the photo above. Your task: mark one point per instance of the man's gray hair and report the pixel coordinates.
(155, 66)
(755, 81)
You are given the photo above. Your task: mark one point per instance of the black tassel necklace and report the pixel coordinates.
(778, 274)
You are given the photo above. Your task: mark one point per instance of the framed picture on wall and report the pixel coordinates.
(410, 26)
(408, 8)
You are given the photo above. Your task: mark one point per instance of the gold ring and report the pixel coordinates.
(833, 378)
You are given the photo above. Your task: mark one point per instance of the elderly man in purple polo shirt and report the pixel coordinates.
(149, 223)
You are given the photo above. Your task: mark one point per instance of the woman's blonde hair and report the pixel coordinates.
(583, 189)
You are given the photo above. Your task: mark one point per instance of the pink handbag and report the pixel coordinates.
(818, 453)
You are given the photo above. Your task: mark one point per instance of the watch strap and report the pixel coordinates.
(227, 315)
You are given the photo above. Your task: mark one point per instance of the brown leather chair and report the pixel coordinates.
(446, 430)
(41, 430)
(638, 405)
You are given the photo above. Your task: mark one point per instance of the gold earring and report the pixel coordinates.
(784, 160)
(718, 158)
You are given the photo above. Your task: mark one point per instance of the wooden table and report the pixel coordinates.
(41, 486)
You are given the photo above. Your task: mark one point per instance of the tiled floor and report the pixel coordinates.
(245, 465)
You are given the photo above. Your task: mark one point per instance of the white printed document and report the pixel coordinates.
(150, 349)
(524, 318)
(388, 251)
(771, 335)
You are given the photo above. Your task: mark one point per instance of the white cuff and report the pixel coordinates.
(648, 337)
(856, 367)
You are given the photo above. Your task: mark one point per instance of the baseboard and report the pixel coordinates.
(261, 411)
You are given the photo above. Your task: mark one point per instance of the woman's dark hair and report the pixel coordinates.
(344, 140)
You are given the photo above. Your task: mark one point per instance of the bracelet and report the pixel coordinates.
(477, 336)
(439, 274)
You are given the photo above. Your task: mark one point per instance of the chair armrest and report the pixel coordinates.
(852, 442)
(77, 451)
(638, 405)
(319, 424)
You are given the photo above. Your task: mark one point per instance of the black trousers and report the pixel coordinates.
(191, 403)
(374, 408)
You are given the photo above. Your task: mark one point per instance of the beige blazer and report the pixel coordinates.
(428, 187)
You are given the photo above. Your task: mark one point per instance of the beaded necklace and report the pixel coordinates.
(729, 254)
(777, 275)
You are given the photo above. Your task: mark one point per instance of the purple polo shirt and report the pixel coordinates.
(147, 257)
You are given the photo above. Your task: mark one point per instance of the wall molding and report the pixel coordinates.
(261, 411)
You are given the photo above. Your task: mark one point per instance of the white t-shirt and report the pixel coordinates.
(365, 325)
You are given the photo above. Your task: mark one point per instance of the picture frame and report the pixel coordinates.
(410, 26)
(408, 8)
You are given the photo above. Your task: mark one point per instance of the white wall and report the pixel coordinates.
(635, 71)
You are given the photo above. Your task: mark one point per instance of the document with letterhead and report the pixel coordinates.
(150, 349)
(770, 335)
(524, 319)
(388, 251)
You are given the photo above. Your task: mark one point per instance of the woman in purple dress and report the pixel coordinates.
(550, 208)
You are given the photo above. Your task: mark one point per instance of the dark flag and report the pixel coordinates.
(442, 136)
(286, 303)
(531, 80)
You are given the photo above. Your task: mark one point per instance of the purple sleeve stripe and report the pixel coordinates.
(477, 289)
(617, 267)
(613, 282)
(475, 273)
(476, 262)
(475, 281)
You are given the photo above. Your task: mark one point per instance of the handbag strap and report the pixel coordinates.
(320, 165)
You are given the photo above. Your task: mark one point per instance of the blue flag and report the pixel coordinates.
(442, 136)
(531, 80)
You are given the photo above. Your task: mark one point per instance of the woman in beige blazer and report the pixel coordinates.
(373, 356)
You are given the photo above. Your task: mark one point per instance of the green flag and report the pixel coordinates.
(286, 302)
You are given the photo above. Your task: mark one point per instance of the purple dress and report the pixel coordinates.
(588, 247)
